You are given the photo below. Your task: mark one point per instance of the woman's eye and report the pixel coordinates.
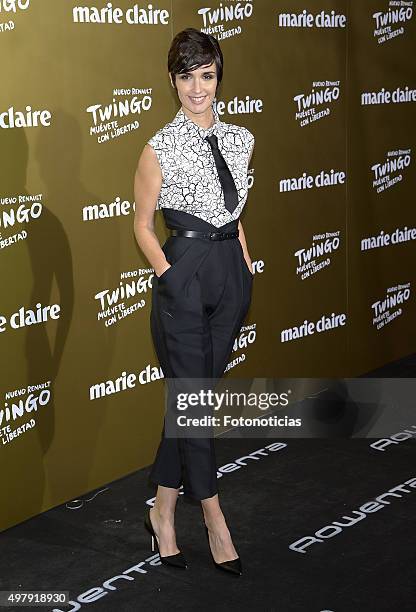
(208, 76)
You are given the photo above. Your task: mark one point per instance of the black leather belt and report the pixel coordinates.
(208, 235)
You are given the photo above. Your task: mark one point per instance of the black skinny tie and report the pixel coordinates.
(224, 174)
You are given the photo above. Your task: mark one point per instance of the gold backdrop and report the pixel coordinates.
(82, 90)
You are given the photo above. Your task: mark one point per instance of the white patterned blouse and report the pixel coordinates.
(189, 176)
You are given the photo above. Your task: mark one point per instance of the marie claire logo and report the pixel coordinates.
(308, 181)
(111, 14)
(305, 19)
(388, 309)
(125, 381)
(112, 301)
(105, 117)
(104, 210)
(336, 527)
(213, 19)
(384, 96)
(246, 337)
(318, 256)
(11, 6)
(388, 24)
(312, 106)
(383, 239)
(389, 172)
(239, 107)
(18, 210)
(24, 402)
(24, 317)
(28, 118)
(309, 328)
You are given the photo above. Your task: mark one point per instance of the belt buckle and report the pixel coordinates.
(215, 236)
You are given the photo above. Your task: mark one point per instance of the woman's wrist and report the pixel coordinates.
(159, 272)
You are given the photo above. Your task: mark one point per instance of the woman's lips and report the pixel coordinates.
(197, 100)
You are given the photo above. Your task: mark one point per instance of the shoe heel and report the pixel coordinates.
(177, 560)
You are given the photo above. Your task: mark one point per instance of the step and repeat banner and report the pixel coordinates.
(328, 88)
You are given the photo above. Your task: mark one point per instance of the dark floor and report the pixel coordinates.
(273, 499)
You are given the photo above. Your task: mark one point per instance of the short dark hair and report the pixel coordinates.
(191, 49)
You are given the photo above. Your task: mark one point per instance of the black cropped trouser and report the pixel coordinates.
(198, 307)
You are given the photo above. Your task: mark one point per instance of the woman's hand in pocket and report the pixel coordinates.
(249, 265)
(160, 272)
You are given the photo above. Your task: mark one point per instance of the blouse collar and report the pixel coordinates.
(182, 119)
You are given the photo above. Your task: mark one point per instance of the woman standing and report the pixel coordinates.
(195, 170)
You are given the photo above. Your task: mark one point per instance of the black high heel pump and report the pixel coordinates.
(177, 560)
(233, 566)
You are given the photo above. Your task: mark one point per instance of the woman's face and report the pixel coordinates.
(196, 89)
